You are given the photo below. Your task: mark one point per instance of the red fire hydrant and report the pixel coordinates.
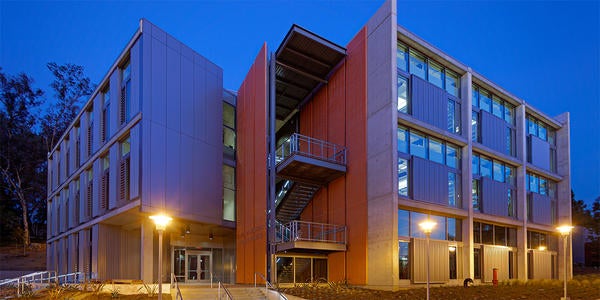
(495, 278)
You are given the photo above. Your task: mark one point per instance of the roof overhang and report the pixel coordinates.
(304, 62)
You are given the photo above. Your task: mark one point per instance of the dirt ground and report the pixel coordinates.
(12, 258)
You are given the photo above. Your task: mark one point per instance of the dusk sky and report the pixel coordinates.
(547, 53)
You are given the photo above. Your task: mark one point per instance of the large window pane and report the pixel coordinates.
(417, 145)
(401, 57)
(475, 164)
(417, 64)
(509, 175)
(509, 113)
(451, 117)
(543, 187)
(542, 132)
(228, 138)
(487, 234)
(497, 107)
(485, 101)
(439, 231)
(498, 171)
(475, 194)
(303, 269)
(454, 229)
(403, 223)
(228, 115)
(435, 74)
(500, 235)
(404, 260)
(475, 97)
(402, 94)
(486, 167)
(285, 269)
(534, 183)
(402, 139)
(476, 232)
(402, 177)
(475, 126)
(319, 268)
(451, 83)
(436, 150)
(452, 189)
(228, 193)
(451, 156)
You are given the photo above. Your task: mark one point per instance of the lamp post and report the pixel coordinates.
(161, 222)
(427, 227)
(565, 230)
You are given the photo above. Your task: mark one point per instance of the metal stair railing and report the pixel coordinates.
(176, 283)
(269, 285)
(44, 277)
(298, 143)
(310, 231)
(226, 294)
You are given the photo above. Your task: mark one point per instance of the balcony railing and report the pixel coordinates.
(311, 147)
(310, 232)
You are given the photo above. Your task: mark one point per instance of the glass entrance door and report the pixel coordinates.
(199, 266)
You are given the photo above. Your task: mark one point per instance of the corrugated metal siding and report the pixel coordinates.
(540, 153)
(493, 132)
(542, 264)
(429, 102)
(429, 181)
(439, 266)
(494, 197)
(495, 257)
(541, 209)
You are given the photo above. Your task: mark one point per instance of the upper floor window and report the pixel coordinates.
(228, 193)
(411, 61)
(124, 169)
(493, 104)
(447, 228)
(105, 131)
(90, 131)
(484, 233)
(487, 167)
(540, 129)
(415, 143)
(124, 104)
(229, 131)
(540, 185)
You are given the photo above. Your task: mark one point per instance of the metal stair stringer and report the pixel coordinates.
(295, 200)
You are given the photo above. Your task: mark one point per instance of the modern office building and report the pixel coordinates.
(320, 167)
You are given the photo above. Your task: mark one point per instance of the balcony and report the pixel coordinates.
(300, 235)
(309, 160)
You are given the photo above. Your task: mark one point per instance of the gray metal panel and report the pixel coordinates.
(199, 105)
(113, 175)
(173, 89)
(157, 156)
(115, 99)
(135, 161)
(541, 209)
(136, 77)
(540, 153)
(429, 181)
(187, 96)
(493, 132)
(494, 197)
(429, 102)
(159, 78)
(172, 172)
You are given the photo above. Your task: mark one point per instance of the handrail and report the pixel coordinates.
(310, 231)
(174, 281)
(298, 143)
(268, 285)
(44, 277)
(227, 293)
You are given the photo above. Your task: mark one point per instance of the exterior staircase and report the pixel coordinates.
(295, 198)
(193, 292)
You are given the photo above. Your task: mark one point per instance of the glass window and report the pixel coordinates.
(475, 126)
(475, 164)
(543, 187)
(228, 115)
(417, 64)
(403, 223)
(497, 107)
(511, 203)
(475, 195)
(452, 189)
(451, 83)
(436, 150)
(401, 57)
(476, 232)
(500, 235)
(511, 239)
(439, 231)
(451, 156)
(454, 229)
(403, 177)
(415, 219)
(285, 269)
(487, 234)
(509, 141)
(509, 175)
(402, 139)
(485, 101)
(475, 97)
(498, 171)
(125, 147)
(542, 133)
(435, 74)
(552, 137)
(404, 260)
(402, 95)
(534, 184)
(532, 127)
(417, 145)
(485, 167)
(228, 193)
(452, 119)
(509, 113)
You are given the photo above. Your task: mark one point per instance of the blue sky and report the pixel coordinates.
(547, 53)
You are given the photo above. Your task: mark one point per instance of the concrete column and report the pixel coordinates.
(563, 193)
(521, 197)
(466, 91)
(147, 251)
(382, 156)
(95, 232)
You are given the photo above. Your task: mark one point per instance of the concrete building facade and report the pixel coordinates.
(320, 167)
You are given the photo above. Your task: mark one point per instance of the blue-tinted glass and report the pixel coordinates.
(508, 174)
(403, 223)
(497, 108)
(475, 164)
(509, 141)
(451, 189)
(435, 74)
(485, 167)
(543, 187)
(511, 205)
(415, 219)
(417, 64)
(402, 177)
(403, 260)
(402, 140)
(452, 229)
(475, 97)
(451, 156)
(475, 195)
(485, 102)
(475, 126)
(531, 127)
(417, 145)
(509, 113)
(439, 231)
(451, 117)
(402, 94)
(436, 151)
(534, 184)
(498, 171)
(542, 132)
(451, 83)
(401, 56)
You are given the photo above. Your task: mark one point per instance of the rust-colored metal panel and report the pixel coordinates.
(251, 172)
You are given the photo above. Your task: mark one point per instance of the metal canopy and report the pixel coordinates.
(304, 61)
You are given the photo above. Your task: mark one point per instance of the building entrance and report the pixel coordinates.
(199, 266)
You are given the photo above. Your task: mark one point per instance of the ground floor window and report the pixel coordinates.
(301, 269)
(477, 263)
(452, 261)
(404, 259)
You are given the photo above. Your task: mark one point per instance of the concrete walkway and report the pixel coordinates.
(238, 292)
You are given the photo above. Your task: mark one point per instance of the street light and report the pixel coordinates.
(161, 222)
(565, 230)
(427, 227)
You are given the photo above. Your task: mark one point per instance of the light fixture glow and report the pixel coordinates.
(564, 229)
(161, 221)
(542, 248)
(452, 248)
(427, 226)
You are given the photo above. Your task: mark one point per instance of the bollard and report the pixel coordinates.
(495, 277)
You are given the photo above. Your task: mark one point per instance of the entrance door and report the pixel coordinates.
(199, 266)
